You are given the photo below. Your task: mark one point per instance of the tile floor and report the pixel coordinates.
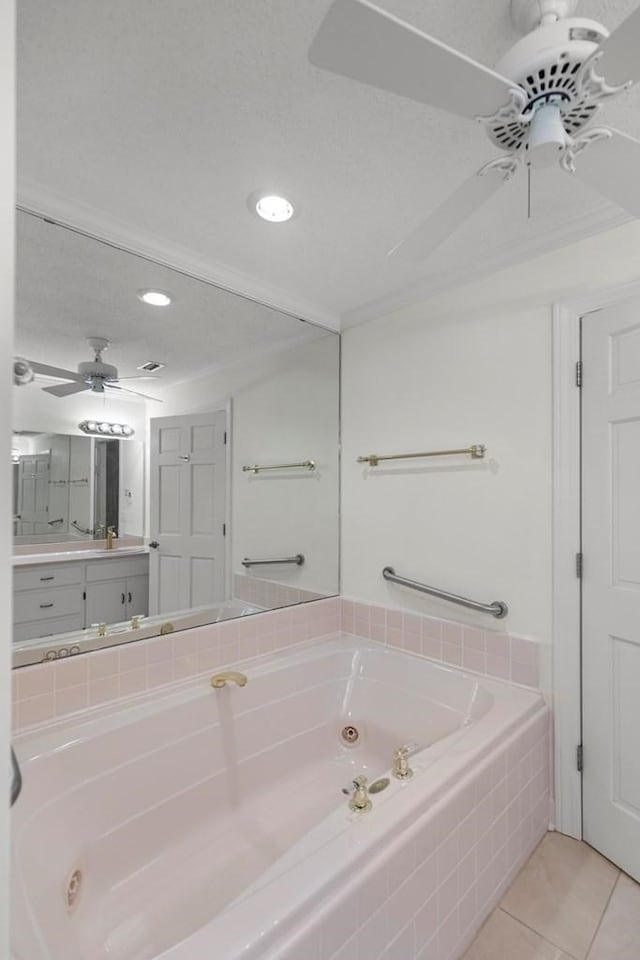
(567, 903)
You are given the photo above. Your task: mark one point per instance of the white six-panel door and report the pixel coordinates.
(187, 511)
(33, 496)
(611, 582)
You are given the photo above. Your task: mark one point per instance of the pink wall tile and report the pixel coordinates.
(487, 652)
(71, 672)
(70, 699)
(34, 681)
(104, 663)
(104, 689)
(36, 710)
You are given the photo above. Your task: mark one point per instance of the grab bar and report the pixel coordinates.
(476, 451)
(16, 778)
(257, 468)
(497, 609)
(298, 559)
(74, 523)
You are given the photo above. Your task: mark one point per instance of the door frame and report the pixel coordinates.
(566, 543)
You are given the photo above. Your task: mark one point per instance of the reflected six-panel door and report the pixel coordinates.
(611, 582)
(187, 511)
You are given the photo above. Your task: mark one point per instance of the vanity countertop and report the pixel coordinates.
(62, 556)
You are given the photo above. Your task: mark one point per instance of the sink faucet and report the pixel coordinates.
(111, 533)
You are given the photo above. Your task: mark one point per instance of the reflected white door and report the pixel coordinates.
(611, 582)
(33, 497)
(188, 502)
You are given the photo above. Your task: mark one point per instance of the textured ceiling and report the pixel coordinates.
(69, 287)
(167, 116)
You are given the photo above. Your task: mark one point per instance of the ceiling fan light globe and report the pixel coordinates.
(547, 137)
(22, 372)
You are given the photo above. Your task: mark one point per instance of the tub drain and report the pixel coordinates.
(72, 892)
(349, 734)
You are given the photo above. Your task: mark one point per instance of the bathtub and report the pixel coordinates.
(198, 824)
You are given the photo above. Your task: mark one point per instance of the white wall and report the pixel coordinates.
(284, 409)
(7, 201)
(469, 366)
(33, 409)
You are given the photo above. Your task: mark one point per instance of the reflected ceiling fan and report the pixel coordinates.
(94, 375)
(536, 106)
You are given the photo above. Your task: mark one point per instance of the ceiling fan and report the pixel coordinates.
(94, 375)
(536, 106)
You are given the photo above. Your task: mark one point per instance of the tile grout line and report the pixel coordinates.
(542, 936)
(602, 915)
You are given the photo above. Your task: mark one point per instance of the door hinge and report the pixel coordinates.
(84, 594)
(579, 565)
(224, 529)
(225, 438)
(579, 758)
(579, 373)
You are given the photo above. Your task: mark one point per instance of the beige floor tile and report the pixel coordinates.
(562, 892)
(619, 935)
(503, 938)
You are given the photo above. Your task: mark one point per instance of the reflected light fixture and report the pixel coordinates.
(97, 428)
(155, 298)
(274, 209)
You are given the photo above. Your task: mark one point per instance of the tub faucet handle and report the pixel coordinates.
(401, 769)
(360, 801)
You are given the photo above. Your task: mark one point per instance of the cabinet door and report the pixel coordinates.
(106, 602)
(137, 596)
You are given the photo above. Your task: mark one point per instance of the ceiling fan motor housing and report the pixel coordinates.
(549, 66)
(97, 373)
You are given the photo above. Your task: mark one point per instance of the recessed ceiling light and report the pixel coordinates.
(273, 208)
(155, 298)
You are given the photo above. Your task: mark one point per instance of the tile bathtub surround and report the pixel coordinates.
(490, 652)
(269, 593)
(428, 892)
(50, 690)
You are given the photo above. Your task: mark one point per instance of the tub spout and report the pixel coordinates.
(231, 676)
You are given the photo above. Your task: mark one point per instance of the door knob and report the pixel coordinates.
(154, 544)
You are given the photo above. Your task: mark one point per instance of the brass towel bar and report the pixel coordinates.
(476, 451)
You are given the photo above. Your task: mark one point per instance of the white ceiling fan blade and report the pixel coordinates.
(612, 167)
(361, 41)
(66, 389)
(47, 371)
(113, 386)
(120, 379)
(621, 52)
(451, 214)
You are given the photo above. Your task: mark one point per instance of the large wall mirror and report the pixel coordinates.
(175, 462)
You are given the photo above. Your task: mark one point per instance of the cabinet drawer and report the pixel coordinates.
(117, 568)
(46, 628)
(47, 604)
(51, 575)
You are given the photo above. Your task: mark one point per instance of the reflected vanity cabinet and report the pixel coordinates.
(60, 597)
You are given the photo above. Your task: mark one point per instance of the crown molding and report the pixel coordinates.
(605, 217)
(34, 198)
